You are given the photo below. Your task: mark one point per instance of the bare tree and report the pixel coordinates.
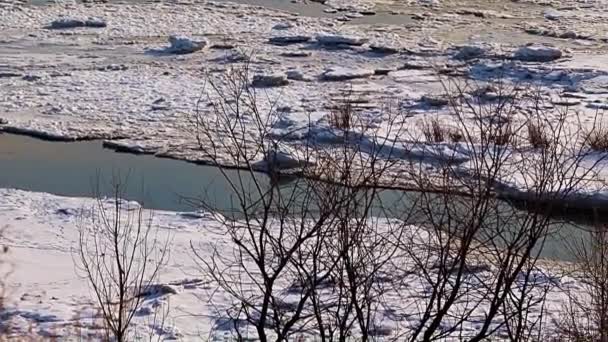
(585, 314)
(325, 256)
(120, 256)
(292, 241)
(481, 260)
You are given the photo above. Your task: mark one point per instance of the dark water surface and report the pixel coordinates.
(77, 169)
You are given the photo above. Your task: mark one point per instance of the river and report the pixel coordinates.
(86, 169)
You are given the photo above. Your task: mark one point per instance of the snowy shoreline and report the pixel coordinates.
(579, 204)
(41, 231)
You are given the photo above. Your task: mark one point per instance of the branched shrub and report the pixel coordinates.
(120, 256)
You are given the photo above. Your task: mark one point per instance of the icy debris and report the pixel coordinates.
(557, 33)
(416, 65)
(282, 26)
(113, 67)
(193, 215)
(296, 54)
(383, 71)
(600, 106)
(434, 101)
(380, 330)
(129, 146)
(343, 74)
(168, 332)
(353, 15)
(287, 40)
(70, 22)
(31, 78)
(187, 281)
(222, 46)
(144, 311)
(483, 13)
(470, 52)
(184, 45)
(384, 49)
(350, 5)
(337, 39)
(566, 102)
(8, 74)
(552, 14)
(156, 290)
(537, 53)
(233, 57)
(430, 3)
(67, 211)
(160, 104)
(124, 204)
(296, 75)
(279, 159)
(595, 85)
(267, 81)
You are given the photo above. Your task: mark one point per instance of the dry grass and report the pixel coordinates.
(435, 131)
(597, 139)
(342, 117)
(501, 136)
(455, 135)
(537, 136)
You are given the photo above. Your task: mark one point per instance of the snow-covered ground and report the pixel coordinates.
(116, 76)
(48, 297)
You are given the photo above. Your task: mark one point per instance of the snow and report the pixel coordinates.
(184, 45)
(275, 80)
(344, 74)
(287, 40)
(536, 53)
(384, 49)
(69, 22)
(470, 51)
(337, 39)
(296, 75)
(48, 295)
(552, 14)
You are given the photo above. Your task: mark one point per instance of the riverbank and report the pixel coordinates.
(48, 298)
